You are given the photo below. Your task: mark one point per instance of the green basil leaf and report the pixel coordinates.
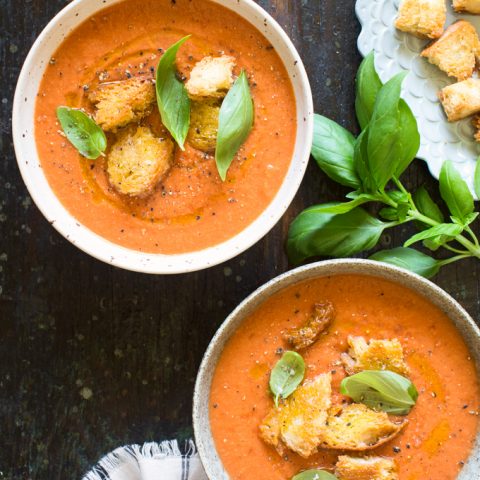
(398, 196)
(409, 138)
(360, 161)
(314, 475)
(470, 218)
(314, 233)
(426, 206)
(234, 123)
(347, 206)
(381, 390)
(82, 132)
(172, 97)
(409, 259)
(287, 375)
(368, 84)
(476, 179)
(449, 230)
(455, 191)
(332, 149)
(389, 213)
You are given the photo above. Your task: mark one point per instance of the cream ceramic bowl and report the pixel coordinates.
(27, 157)
(201, 401)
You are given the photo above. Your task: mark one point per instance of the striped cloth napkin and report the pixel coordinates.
(151, 461)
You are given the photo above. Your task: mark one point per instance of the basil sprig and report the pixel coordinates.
(314, 475)
(234, 123)
(82, 132)
(287, 375)
(381, 390)
(172, 97)
(371, 166)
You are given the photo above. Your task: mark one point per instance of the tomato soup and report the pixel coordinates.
(441, 427)
(191, 208)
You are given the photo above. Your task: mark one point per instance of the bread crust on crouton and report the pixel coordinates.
(461, 99)
(121, 103)
(356, 427)
(204, 114)
(366, 468)
(374, 355)
(476, 126)
(298, 423)
(470, 6)
(306, 335)
(137, 161)
(456, 51)
(211, 77)
(423, 18)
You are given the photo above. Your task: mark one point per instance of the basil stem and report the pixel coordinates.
(287, 375)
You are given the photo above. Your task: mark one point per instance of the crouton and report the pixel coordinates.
(211, 77)
(356, 427)
(366, 468)
(461, 99)
(476, 126)
(456, 51)
(137, 161)
(204, 124)
(470, 6)
(300, 420)
(423, 18)
(120, 103)
(303, 337)
(374, 355)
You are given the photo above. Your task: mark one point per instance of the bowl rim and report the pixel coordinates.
(460, 318)
(157, 263)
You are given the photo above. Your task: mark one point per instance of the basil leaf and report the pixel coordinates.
(287, 375)
(409, 138)
(172, 97)
(82, 132)
(234, 123)
(332, 149)
(409, 259)
(368, 84)
(455, 191)
(314, 475)
(347, 206)
(314, 233)
(426, 206)
(448, 230)
(360, 161)
(389, 213)
(476, 179)
(381, 390)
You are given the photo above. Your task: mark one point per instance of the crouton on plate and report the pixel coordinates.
(470, 6)
(298, 423)
(138, 160)
(456, 51)
(461, 99)
(423, 18)
(211, 77)
(374, 355)
(304, 336)
(123, 102)
(366, 468)
(202, 134)
(357, 427)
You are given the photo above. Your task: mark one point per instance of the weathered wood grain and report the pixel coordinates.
(92, 357)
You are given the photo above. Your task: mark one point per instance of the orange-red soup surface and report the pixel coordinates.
(191, 208)
(443, 424)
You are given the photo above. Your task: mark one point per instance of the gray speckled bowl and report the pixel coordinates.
(462, 320)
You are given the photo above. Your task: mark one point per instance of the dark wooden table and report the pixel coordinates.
(93, 357)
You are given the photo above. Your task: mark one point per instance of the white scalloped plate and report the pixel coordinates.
(396, 51)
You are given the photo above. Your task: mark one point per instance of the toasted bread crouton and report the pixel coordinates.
(298, 423)
(476, 126)
(356, 427)
(137, 161)
(456, 51)
(366, 468)
(374, 355)
(470, 6)
(461, 99)
(303, 337)
(423, 18)
(204, 124)
(211, 77)
(123, 102)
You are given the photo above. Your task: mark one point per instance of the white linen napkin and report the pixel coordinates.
(151, 461)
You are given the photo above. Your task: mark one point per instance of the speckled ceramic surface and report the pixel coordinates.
(25, 148)
(396, 51)
(464, 323)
